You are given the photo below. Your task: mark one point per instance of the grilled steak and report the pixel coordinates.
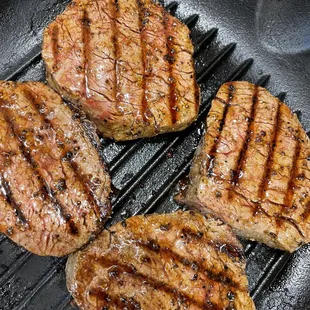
(252, 168)
(53, 186)
(182, 260)
(127, 63)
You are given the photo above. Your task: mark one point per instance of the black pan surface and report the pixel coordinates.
(262, 41)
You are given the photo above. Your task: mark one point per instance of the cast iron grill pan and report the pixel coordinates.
(145, 173)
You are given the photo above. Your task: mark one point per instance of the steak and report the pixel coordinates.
(252, 168)
(182, 260)
(127, 63)
(54, 188)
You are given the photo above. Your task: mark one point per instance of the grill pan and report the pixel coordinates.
(265, 42)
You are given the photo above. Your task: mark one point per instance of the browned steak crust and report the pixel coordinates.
(53, 186)
(182, 260)
(127, 63)
(252, 168)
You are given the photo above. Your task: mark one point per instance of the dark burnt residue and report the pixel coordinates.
(68, 156)
(61, 185)
(153, 245)
(165, 227)
(190, 235)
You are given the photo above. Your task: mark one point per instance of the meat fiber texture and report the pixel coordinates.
(127, 63)
(54, 188)
(252, 168)
(182, 260)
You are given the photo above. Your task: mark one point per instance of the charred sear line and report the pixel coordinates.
(168, 254)
(142, 19)
(220, 100)
(116, 52)
(5, 189)
(293, 175)
(85, 24)
(121, 302)
(89, 191)
(254, 205)
(212, 153)
(37, 104)
(44, 190)
(55, 47)
(269, 162)
(67, 156)
(281, 218)
(119, 269)
(241, 160)
(170, 58)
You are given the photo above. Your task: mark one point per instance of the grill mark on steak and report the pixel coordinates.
(241, 160)
(115, 52)
(170, 254)
(98, 207)
(85, 24)
(44, 187)
(131, 271)
(120, 266)
(290, 190)
(144, 106)
(281, 218)
(66, 156)
(256, 206)
(212, 152)
(119, 301)
(190, 235)
(5, 190)
(170, 59)
(110, 85)
(54, 38)
(266, 178)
